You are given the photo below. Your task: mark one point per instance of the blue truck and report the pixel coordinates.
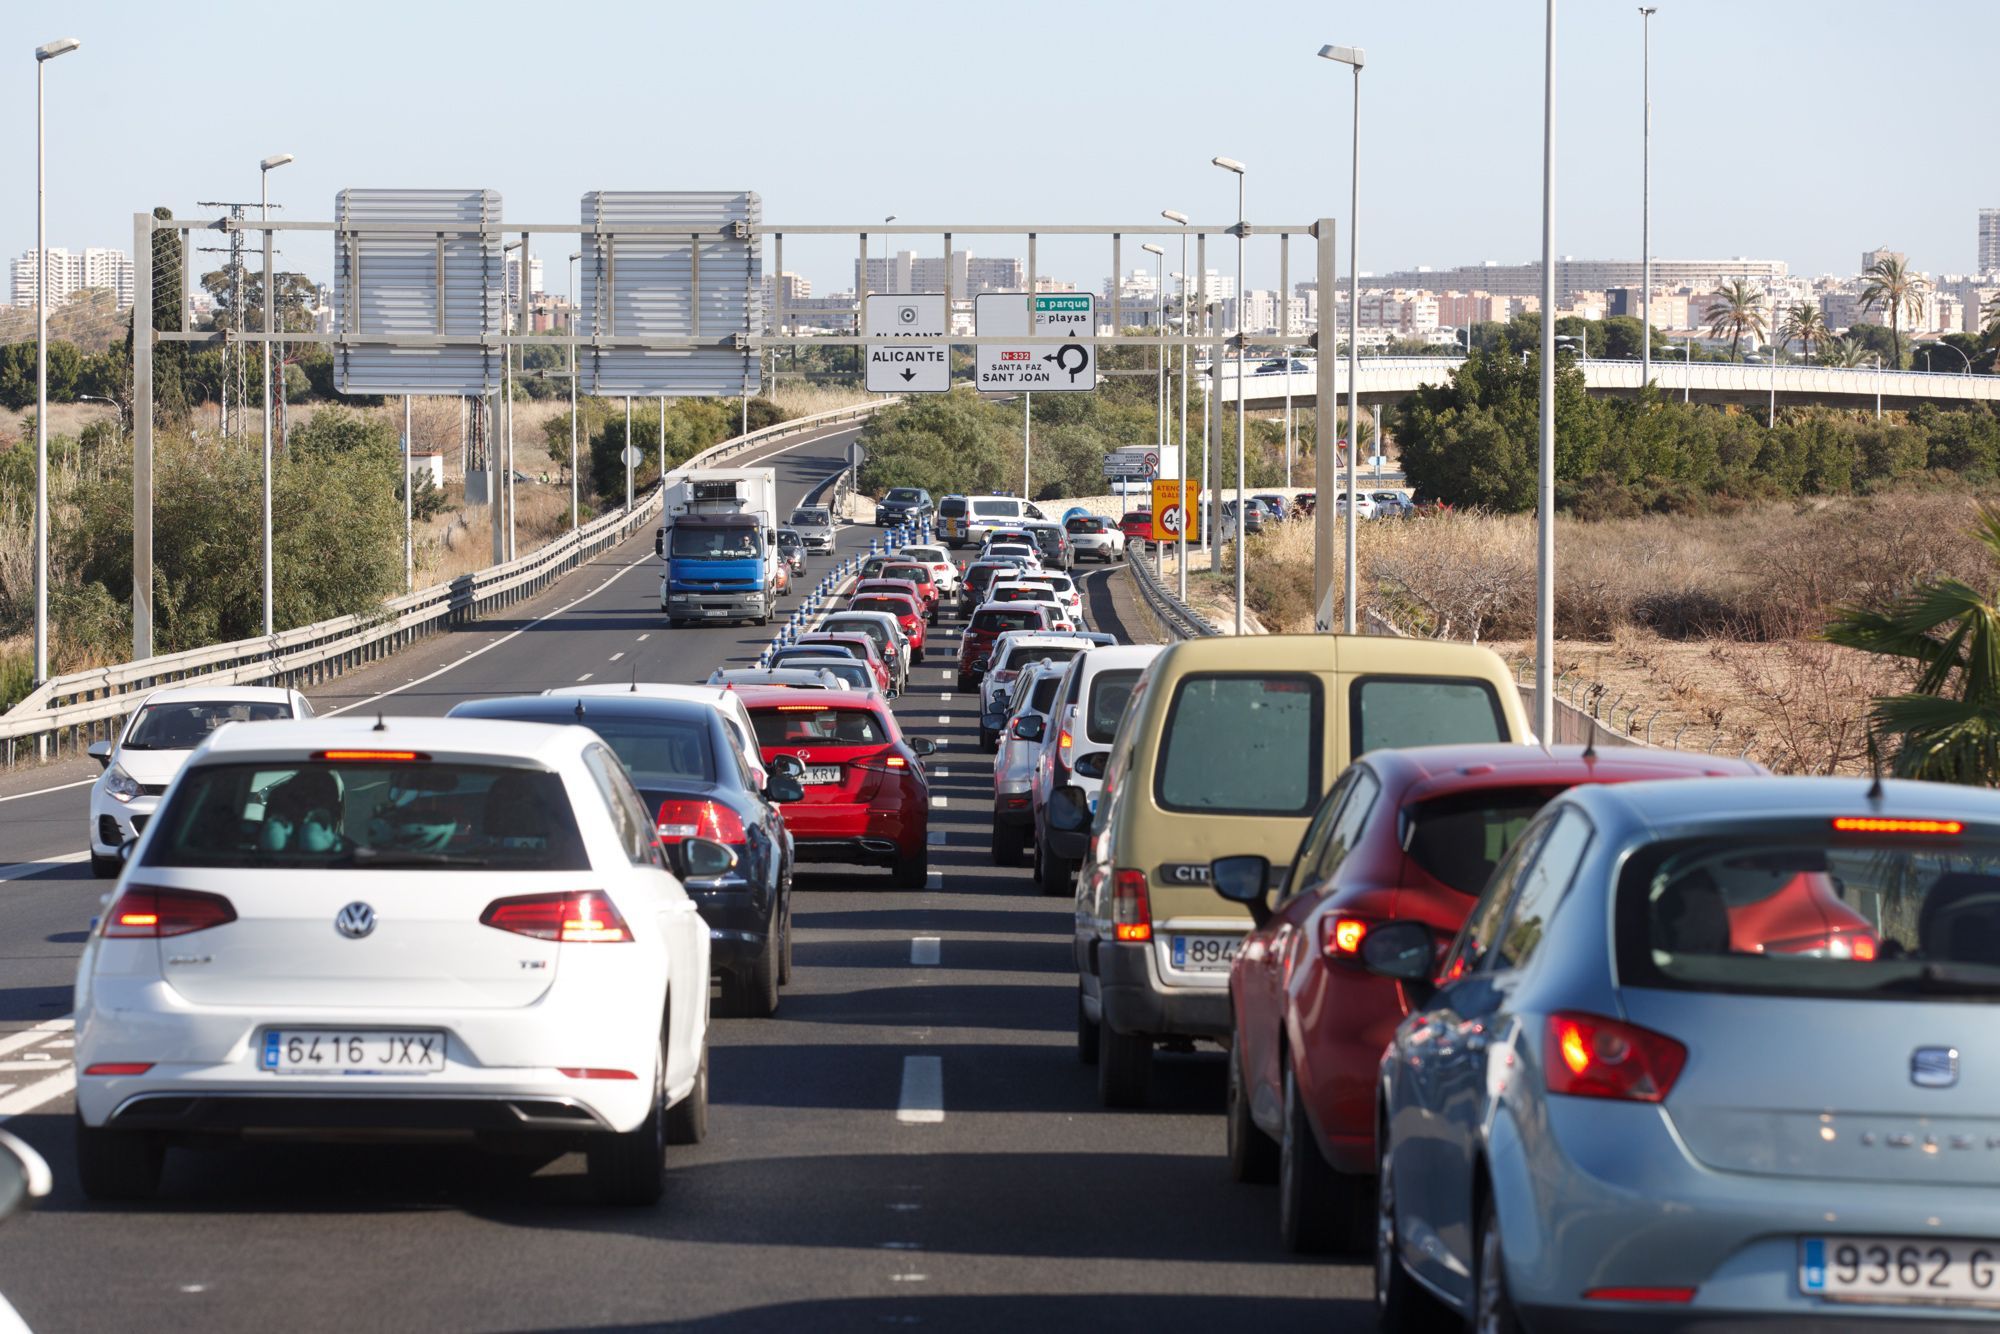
(719, 538)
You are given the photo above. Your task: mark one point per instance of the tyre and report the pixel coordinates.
(106, 868)
(118, 1164)
(630, 1167)
(1253, 1157)
(1401, 1303)
(1054, 872)
(1035, 854)
(687, 1120)
(1319, 1209)
(785, 949)
(964, 681)
(751, 992)
(1124, 1067)
(1009, 841)
(989, 741)
(911, 870)
(1087, 1033)
(1492, 1309)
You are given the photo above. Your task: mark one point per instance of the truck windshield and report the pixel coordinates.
(714, 543)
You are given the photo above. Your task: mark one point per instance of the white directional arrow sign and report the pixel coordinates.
(1039, 368)
(904, 365)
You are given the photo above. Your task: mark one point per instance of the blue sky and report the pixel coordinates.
(1781, 128)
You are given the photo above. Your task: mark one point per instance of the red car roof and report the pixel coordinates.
(1432, 771)
(771, 697)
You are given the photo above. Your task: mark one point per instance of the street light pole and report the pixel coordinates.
(43, 55)
(1180, 546)
(1545, 482)
(574, 513)
(1646, 13)
(1242, 434)
(264, 170)
(1160, 319)
(1353, 58)
(886, 286)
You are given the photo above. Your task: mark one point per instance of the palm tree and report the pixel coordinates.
(1845, 353)
(1805, 323)
(1992, 314)
(1889, 285)
(1737, 309)
(1947, 726)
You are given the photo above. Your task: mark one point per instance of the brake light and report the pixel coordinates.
(1341, 937)
(371, 756)
(119, 1068)
(1868, 824)
(1675, 1295)
(143, 912)
(1862, 948)
(882, 762)
(681, 818)
(1131, 911)
(1064, 741)
(1589, 1056)
(579, 917)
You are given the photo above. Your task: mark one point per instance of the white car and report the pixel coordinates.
(1364, 505)
(1392, 504)
(1095, 537)
(155, 743)
(1028, 707)
(1027, 551)
(741, 729)
(1060, 585)
(1064, 616)
(405, 927)
(938, 559)
(1012, 651)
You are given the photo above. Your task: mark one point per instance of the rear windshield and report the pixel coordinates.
(802, 724)
(1010, 509)
(1137, 516)
(783, 658)
(1242, 744)
(1089, 525)
(952, 505)
(1045, 692)
(916, 574)
(812, 518)
(1814, 912)
(1110, 691)
(852, 672)
(994, 619)
(1424, 711)
(895, 606)
(1025, 653)
(363, 816)
(183, 726)
(1459, 839)
(875, 634)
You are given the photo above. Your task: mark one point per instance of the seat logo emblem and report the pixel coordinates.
(1934, 1067)
(355, 920)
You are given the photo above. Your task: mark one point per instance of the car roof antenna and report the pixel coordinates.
(1875, 792)
(579, 711)
(635, 678)
(380, 725)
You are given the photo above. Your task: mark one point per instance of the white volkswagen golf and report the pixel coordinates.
(396, 928)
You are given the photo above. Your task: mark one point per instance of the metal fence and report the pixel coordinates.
(66, 713)
(1179, 620)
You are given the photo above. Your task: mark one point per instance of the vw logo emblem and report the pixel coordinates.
(1934, 1067)
(355, 920)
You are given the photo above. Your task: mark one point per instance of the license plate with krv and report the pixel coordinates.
(353, 1051)
(1203, 954)
(1901, 1270)
(821, 775)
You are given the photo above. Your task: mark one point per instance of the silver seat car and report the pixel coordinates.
(814, 525)
(1705, 1055)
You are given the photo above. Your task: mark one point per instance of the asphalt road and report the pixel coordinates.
(831, 1195)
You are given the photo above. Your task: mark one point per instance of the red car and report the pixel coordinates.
(988, 623)
(862, 647)
(1137, 526)
(908, 612)
(866, 801)
(918, 573)
(1403, 835)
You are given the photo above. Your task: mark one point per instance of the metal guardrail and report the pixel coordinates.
(1175, 616)
(68, 712)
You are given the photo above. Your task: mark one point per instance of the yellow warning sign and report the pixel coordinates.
(1169, 524)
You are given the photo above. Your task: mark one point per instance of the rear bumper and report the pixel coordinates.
(739, 926)
(720, 606)
(1136, 1001)
(859, 850)
(374, 1117)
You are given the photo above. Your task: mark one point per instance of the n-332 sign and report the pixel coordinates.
(1037, 367)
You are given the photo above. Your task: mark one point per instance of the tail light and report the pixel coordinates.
(119, 1068)
(143, 912)
(1063, 742)
(1589, 1056)
(1131, 912)
(683, 818)
(593, 1072)
(1341, 937)
(883, 762)
(579, 917)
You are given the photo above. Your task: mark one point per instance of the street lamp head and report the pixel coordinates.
(575, 256)
(1346, 55)
(890, 218)
(61, 46)
(274, 161)
(1152, 249)
(1647, 11)
(1171, 216)
(1229, 164)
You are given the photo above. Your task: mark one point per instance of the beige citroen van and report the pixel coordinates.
(1226, 747)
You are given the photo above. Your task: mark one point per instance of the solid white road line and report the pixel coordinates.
(22, 870)
(63, 787)
(924, 950)
(922, 1100)
(488, 648)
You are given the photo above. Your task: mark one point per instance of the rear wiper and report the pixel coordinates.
(1947, 979)
(411, 857)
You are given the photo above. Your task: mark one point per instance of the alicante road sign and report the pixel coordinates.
(1044, 367)
(905, 364)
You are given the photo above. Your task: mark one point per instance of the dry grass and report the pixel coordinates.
(803, 400)
(460, 540)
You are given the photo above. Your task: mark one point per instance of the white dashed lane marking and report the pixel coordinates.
(585, 677)
(619, 654)
(924, 950)
(922, 1100)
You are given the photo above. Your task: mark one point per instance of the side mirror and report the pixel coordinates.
(789, 765)
(783, 788)
(981, 664)
(1069, 809)
(706, 862)
(1402, 950)
(24, 1177)
(659, 544)
(922, 745)
(1091, 765)
(1029, 728)
(101, 752)
(1240, 879)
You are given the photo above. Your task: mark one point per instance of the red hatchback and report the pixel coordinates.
(988, 623)
(1137, 526)
(866, 801)
(909, 615)
(1404, 835)
(918, 574)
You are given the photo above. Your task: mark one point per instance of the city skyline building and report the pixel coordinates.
(73, 271)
